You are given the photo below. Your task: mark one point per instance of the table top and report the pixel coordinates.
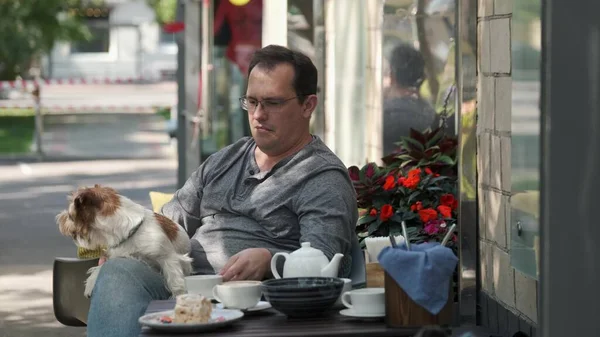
(272, 323)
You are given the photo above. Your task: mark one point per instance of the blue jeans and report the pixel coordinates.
(122, 292)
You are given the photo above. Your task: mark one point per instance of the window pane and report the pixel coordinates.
(525, 130)
(418, 68)
(100, 41)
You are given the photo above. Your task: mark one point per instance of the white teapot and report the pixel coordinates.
(307, 261)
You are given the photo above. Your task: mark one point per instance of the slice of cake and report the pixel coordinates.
(192, 308)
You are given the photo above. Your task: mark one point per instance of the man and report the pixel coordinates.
(256, 197)
(403, 107)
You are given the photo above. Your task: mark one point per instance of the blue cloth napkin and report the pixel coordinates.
(424, 272)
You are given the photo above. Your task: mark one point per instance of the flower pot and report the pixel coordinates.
(402, 311)
(375, 275)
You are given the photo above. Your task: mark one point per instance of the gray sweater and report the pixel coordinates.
(228, 205)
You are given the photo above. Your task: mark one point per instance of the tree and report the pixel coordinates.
(165, 10)
(30, 29)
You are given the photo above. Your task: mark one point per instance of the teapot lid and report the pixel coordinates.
(307, 251)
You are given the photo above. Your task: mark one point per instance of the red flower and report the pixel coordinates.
(427, 214)
(390, 183)
(445, 211)
(414, 173)
(448, 200)
(413, 179)
(386, 212)
(428, 170)
(373, 212)
(411, 182)
(416, 206)
(401, 180)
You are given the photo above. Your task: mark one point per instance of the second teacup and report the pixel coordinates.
(238, 294)
(347, 287)
(202, 284)
(367, 301)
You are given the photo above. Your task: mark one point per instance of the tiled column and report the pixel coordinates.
(512, 291)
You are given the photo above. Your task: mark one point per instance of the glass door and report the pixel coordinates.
(232, 32)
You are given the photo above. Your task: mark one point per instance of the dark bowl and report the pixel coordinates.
(302, 296)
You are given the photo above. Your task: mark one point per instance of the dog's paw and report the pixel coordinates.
(91, 281)
(89, 287)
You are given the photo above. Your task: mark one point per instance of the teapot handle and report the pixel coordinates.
(274, 263)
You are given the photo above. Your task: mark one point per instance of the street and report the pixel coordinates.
(32, 193)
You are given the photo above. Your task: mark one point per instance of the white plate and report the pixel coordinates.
(262, 305)
(219, 318)
(351, 313)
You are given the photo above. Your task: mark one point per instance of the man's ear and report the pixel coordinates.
(310, 104)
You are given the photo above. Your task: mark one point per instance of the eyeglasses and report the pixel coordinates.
(268, 105)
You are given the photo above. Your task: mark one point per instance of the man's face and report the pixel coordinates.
(281, 121)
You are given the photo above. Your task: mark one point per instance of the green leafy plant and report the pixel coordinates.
(431, 148)
(416, 185)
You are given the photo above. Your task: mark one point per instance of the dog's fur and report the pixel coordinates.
(99, 217)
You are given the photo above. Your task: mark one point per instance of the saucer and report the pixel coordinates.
(262, 305)
(218, 318)
(351, 313)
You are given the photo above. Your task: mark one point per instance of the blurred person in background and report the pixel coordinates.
(403, 107)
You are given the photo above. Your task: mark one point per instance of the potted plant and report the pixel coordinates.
(416, 184)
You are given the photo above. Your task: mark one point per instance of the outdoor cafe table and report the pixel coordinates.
(271, 323)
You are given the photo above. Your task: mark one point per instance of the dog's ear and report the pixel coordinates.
(87, 198)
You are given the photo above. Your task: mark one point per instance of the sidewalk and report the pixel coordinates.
(106, 136)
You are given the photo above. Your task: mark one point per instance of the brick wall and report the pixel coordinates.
(509, 291)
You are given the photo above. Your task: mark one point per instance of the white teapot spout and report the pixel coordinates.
(332, 269)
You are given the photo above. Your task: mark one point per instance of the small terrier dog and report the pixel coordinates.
(99, 217)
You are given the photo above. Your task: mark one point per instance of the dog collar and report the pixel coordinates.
(131, 233)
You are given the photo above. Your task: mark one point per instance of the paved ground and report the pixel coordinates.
(106, 96)
(32, 193)
(106, 136)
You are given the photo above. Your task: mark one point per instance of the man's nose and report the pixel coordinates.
(259, 112)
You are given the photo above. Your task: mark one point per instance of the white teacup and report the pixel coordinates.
(347, 287)
(202, 284)
(238, 294)
(367, 301)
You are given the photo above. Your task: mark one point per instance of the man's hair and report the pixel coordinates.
(407, 66)
(305, 72)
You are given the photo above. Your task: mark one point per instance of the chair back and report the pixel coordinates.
(68, 283)
(358, 275)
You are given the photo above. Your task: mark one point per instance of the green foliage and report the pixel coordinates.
(164, 112)
(30, 28)
(165, 10)
(431, 148)
(416, 185)
(16, 130)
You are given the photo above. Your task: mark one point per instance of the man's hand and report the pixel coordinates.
(249, 264)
